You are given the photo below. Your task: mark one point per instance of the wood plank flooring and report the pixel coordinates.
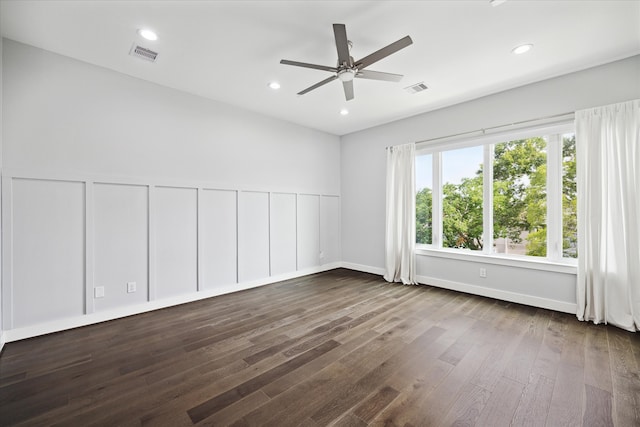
(338, 348)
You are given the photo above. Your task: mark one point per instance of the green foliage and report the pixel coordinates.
(519, 197)
(519, 201)
(424, 224)
(462, 214)
(537, 242)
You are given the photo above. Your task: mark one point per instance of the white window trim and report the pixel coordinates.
(554, 197)
(566, 265)
(554, 261)
(488, 137)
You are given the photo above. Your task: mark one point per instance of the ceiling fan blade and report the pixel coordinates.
(377, 75)
(317, 85)
(306, 65)
(348, 90)
(383, 53)
(342, 44)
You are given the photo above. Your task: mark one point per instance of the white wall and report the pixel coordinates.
(69, 116)
(47, 229)
(363, 174)
(283, 229)
(219, 229)
(308, 230)
(108, 179)
(253, 236)
(121, 235)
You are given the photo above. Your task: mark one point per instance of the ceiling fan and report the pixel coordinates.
(348, 69)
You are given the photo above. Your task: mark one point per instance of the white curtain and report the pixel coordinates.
(608, 160)
(400, 230)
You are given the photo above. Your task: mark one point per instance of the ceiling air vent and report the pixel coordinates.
(143, 52)
(418, 87)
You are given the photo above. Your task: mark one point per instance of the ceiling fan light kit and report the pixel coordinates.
(347, 75)
(347, 69)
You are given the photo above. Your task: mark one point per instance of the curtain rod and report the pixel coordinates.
(484, 130)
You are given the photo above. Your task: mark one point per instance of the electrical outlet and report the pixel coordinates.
(483, 272)
(98, 292)
(131, 287)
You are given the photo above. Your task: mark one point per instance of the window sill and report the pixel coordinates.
(568, 266)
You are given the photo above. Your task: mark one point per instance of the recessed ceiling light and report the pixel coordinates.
(495, 3)
(148, 34)
(522, 49)
(344, 111)
(274, 85)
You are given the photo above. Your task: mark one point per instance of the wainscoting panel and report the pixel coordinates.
(253, 235)
(65, 235)
(330, 229)
(120, 251)
(48, 251)
(308, 231)
(282, 233)
(218, 234)
(176, 227)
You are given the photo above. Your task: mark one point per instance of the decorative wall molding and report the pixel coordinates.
(33, 321)
(153, 181)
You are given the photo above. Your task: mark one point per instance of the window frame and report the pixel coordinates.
(554, 261)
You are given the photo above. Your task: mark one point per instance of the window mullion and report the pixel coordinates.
(487, 200)
(554, 198)
(436, 201)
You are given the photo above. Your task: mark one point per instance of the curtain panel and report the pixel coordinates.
(400, 227)
(608, 161)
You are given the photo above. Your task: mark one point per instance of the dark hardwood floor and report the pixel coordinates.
(338, 348)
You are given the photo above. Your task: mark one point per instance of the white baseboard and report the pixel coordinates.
(562, 306)
(89, 319)
(565, 307)
(363, 268)
(2, 340)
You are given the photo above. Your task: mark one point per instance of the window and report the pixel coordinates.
(513, 195)
(519, 197)
(462, 198)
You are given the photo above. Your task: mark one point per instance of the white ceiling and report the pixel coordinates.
(230, 50)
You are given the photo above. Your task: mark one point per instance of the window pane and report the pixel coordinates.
(519, 197)
(569, 197)
(462, 198)
(424, 184)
